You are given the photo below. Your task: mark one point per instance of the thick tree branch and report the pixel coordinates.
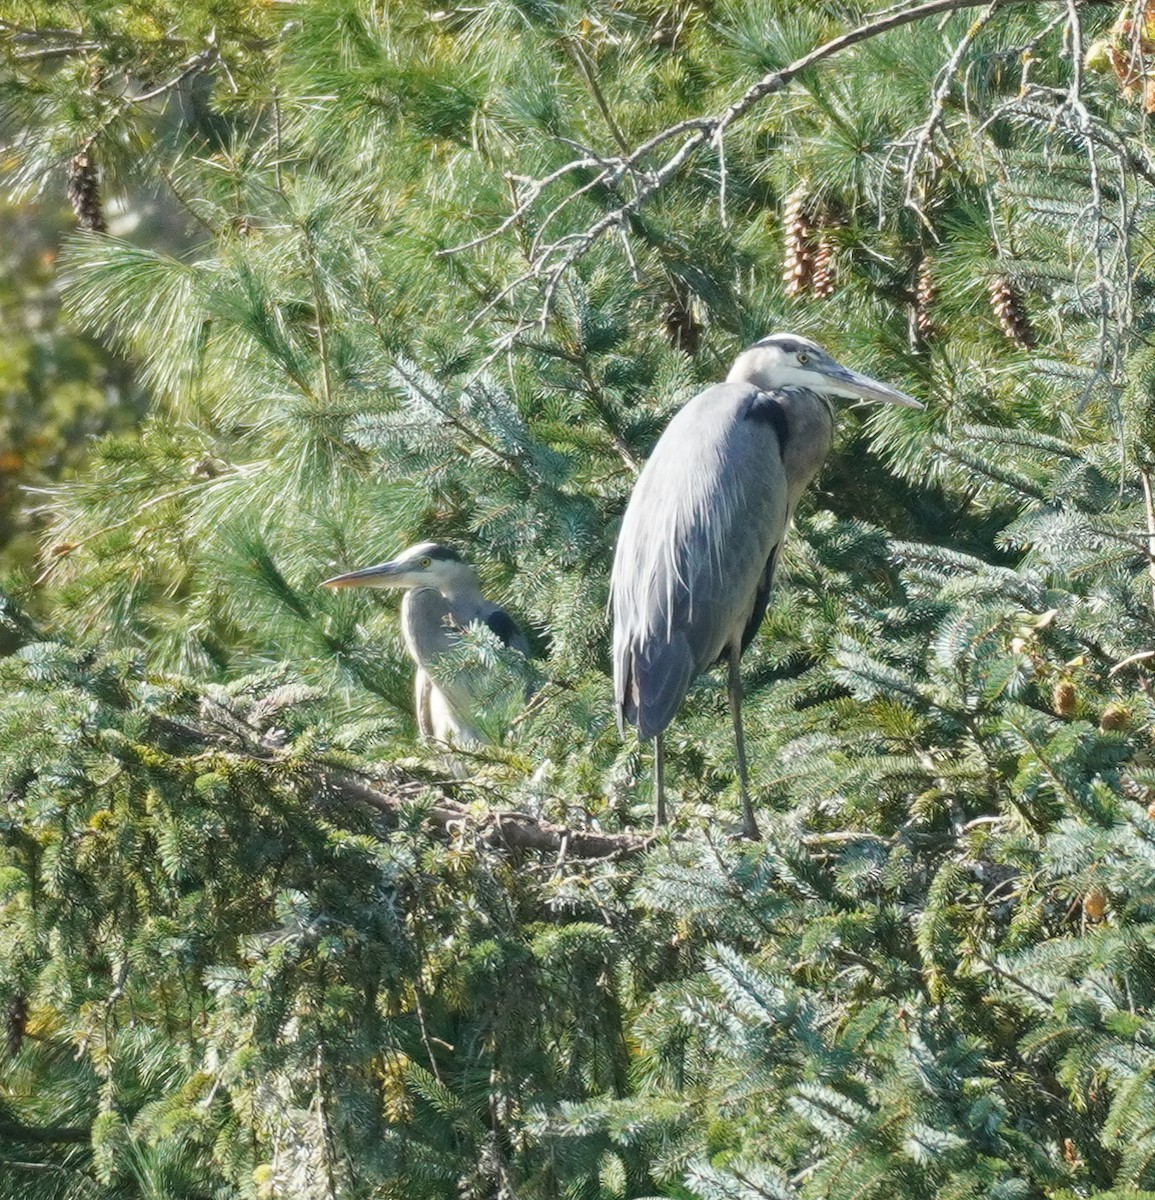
(330, 783)
(518, 831)
(17, 1131)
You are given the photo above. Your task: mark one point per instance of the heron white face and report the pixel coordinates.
(787, 360)
(425, 565)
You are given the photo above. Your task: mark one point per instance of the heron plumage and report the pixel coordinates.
(701, 535)
(696, 549)
(442, 598)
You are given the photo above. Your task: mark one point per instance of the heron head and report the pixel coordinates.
(787, 360)
(428, 564)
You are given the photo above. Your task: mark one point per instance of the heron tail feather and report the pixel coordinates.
(660, 679)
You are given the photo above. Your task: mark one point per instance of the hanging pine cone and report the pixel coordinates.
(16, 1024)
(798, 259)
(1095, 904)
(824, 264)
(924, 297)
(680, 322)
(1012, 317)
(84, 191)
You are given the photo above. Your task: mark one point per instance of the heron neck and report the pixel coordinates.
(810, 421)
(463, 596)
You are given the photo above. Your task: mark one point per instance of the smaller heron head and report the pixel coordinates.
(787, 360)
(428, 564)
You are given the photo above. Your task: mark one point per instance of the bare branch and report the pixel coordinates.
(192, 66)
(537, 186)
(1149, 510)
(549, 261)
(947, 76)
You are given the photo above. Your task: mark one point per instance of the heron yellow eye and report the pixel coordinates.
(426, 561)
(803, 358)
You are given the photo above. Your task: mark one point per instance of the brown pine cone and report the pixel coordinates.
(84, 191)
(1012, 317)
(798, 258)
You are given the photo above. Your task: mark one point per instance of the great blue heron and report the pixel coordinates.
(703, 529)
(443, 597)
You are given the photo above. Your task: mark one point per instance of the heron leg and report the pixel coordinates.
(660, 780)
(734, 687)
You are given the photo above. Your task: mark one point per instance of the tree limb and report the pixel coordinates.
(389, 798)
(17, 1131)
(515, 830)
(550, 261)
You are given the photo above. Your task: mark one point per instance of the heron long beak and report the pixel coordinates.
(383, 575)
(842, 381)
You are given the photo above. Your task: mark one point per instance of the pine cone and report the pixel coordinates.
(1012, 317)
(1095, 904)
(84, 191)
(682, 328)
(17, 1023)
(798, 258)
(924, 297)
(824, 264)
(1064, 698)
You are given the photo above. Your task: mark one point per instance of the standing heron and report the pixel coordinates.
(442, 598)
(704, 527)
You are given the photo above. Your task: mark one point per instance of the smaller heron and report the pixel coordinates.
(442, 598)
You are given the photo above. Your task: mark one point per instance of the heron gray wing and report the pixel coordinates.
(697, 539)
(425, 617)
(506, 628)
(761, 598)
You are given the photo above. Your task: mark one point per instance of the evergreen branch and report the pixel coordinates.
(505, 828)
(555, 258)
(1014, 979)
(409, 375)
(17, 1131)
(1047, 115)
(65, 549)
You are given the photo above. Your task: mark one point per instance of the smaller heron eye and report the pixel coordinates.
(426, 561)
(803, 358)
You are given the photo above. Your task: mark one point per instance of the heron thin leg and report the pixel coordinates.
(734, 687)
(660, 780)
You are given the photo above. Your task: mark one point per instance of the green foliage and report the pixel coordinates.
(255, 940)
(57, 388)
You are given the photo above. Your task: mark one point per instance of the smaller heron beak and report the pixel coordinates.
(852, 385)
(382, 575)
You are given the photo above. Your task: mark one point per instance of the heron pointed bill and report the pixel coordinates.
(382, 575)
(838, 380)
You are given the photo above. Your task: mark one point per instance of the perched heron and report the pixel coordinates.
(442, 598)
(703, 529)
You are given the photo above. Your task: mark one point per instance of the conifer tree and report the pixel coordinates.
(448, 273)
